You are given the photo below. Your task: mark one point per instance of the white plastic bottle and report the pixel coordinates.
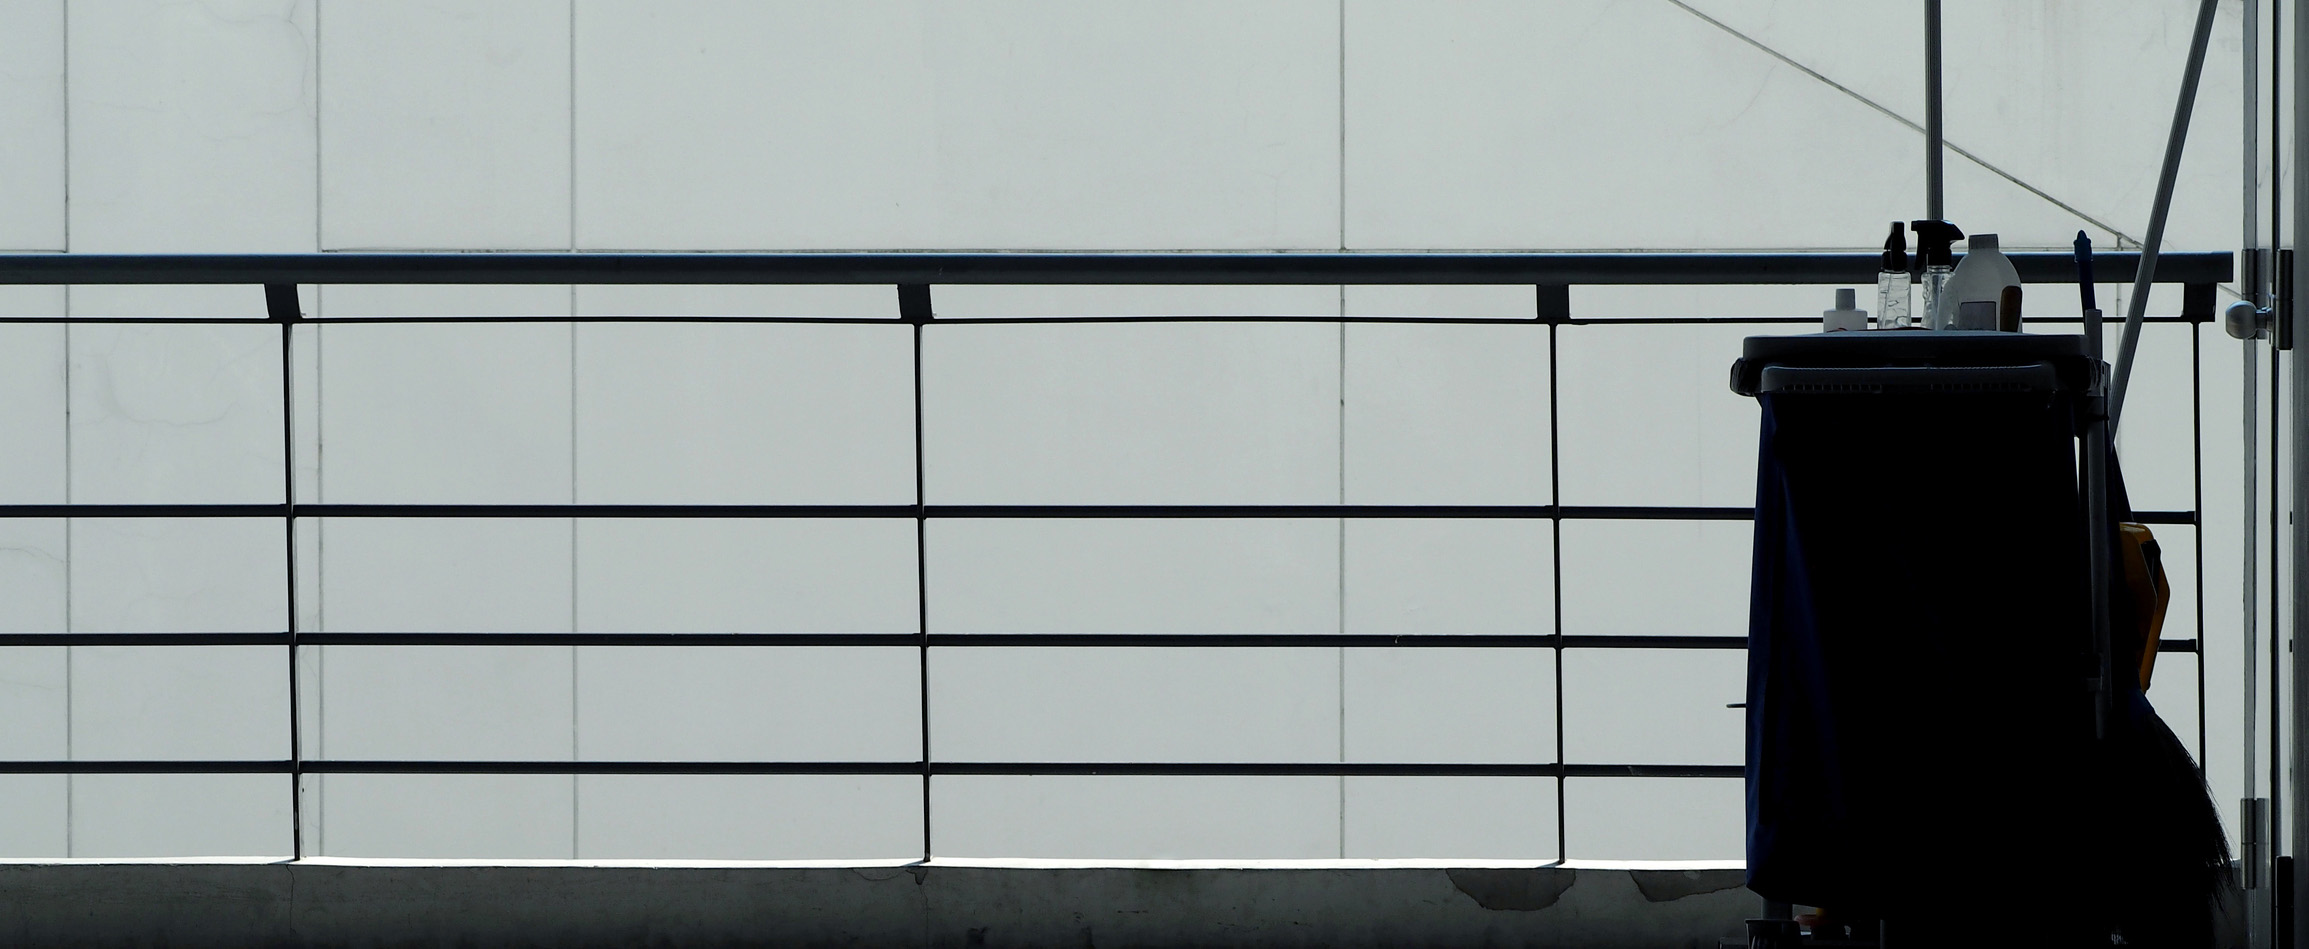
(1847, 315)
(1969, 301)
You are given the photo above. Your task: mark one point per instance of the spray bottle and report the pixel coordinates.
(1892, 282)
(1933, 239)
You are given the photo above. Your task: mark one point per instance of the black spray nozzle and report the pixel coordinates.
(2084, 270)
(1896, 249)
(1933, 239)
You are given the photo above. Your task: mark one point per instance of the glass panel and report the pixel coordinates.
(32, 413)
(32, 702)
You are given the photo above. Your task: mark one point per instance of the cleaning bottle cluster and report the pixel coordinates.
(1979, 292)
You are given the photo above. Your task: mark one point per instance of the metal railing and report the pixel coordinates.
(913, 275)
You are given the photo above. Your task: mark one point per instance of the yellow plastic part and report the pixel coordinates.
(2144, 580)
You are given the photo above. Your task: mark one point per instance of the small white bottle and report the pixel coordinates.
(1969, 301)
(1846, 316)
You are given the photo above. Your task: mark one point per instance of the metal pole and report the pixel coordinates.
(2291, 786)
(2137, 307)
(1932, 130)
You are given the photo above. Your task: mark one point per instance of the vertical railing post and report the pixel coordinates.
(914, 309)
(281, 307)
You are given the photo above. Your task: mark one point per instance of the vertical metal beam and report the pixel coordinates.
(2297, 494)
(1933, 138)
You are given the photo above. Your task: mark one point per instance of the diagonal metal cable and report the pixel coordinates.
(2122, 237)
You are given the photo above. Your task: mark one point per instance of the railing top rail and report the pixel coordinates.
(1213, 268)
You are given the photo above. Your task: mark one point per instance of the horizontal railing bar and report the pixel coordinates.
(970, 511)
(1214, 268)
(962, 768)
(939, 640)
(967, 321)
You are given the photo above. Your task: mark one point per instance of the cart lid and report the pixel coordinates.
(2057, 361)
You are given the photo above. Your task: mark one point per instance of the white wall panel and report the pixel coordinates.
(1647, 418)
(741, 703)
(1446, 414)
(1656, 578)
(1051, 575)
(766, 575)
(33, 594)
(172, 575)
(449, 414)
(1654, 706)
(180, 815)
(1135, 817)
(32, 110)
(1134, 704)
(432, 703)
(445, 126)
(32, 821)
(749, 817)
(32, 361)
(906, 124)
(1431, 705)
(32, 702)
(1655, 819)
(446, 575)
(179, 702)
(448, 816)
(191, 126)
(1419, 576)
(745, 414)
(983, 301)
(1131, 414)
(176, 414)
(1450, 818)
(867, 301)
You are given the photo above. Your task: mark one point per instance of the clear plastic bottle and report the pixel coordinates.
(1892, 283)
(1933, 239)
